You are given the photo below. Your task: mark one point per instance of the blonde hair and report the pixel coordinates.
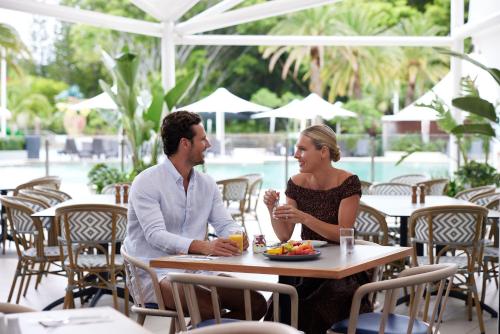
(322, 135)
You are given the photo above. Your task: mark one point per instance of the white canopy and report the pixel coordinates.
(101, 101)
(223, 101)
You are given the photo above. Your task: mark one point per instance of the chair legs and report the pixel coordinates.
(14, 281)
(141, 318)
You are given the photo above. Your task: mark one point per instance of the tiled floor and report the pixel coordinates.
(455, 318)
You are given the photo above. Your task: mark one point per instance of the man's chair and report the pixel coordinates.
(435, 187)
(467, 194)
(29, 239)
(187, 283)
(390, 189)
(134, 270)
(409, 179)
(89, 234)
(246, 327)
(457, 228)
(235, 191)
(418, 280)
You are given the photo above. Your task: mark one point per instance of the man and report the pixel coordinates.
(170, 205)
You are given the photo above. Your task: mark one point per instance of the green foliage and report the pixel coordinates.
(14, 47)
(101, 175)
(368, 120)
(12, 143)
(476, 174)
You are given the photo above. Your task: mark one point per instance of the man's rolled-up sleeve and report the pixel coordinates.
(146, 204)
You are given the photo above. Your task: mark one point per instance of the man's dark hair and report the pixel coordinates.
(175, 126)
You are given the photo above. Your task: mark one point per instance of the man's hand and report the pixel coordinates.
(219, 247)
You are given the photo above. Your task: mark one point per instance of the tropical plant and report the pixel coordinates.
(476, 174)
(13, 46)
(141, 111)
(102, 175)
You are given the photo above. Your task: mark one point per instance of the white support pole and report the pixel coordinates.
(168, 56)
(3, 93)
(456, 21)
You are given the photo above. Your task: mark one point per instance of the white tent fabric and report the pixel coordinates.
(101, 101)
(223, 101)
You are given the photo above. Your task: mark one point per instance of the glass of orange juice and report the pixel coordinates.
(236, 235)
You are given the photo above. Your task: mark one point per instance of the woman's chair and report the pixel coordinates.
(246, 327)
(235, 191)
(435, 187)
(187, 283)
(46, 181)
(418, 280)
(390, 189)
(29, 238)
(365, 187)
(370, 225)
(409, 179)
(89, 234)
(467, 194)
(457, 228)
(134, 270)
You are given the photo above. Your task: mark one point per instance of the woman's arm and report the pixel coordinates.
(347, 215)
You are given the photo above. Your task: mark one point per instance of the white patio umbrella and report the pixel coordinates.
(222, 101)
(101, 101)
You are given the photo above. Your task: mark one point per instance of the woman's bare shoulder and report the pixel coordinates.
(300, 179)
(343, 175)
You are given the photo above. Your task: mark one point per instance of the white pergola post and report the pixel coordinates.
(456, 21)
(168, 56)
(3, 93)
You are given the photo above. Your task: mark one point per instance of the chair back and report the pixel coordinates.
(484, 199)
(61, 194)
(467, 194)
(7, 308)
(454, 226)
(409, 179)
(187, 283)
(43, 196)
(435, 187)
(417, 280)
(46, 181)
(371, 225)
(365, 187)
(91, 225)
(234, 190)
(254, 186)
(390, 189)
(246, 327)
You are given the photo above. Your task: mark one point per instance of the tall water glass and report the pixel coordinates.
(346, 240)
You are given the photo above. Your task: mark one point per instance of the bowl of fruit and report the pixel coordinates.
(293, 251)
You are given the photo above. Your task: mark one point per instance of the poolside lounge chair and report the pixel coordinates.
(69, 147)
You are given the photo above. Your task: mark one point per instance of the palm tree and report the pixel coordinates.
(315, 21)
(13, 46)
(419, 65)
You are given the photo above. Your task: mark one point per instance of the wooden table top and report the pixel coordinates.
(89, 199)
(97, 320)
(401, 206)
(330, 264)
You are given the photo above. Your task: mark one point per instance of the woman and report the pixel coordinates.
(322, 199)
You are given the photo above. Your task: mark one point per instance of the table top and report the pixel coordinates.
(330, 264)
(85, 320)
(401, 206)
(89, 199)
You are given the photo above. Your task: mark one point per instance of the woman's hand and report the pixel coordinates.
(271, 196)
(289, 214)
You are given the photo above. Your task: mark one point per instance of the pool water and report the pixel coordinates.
(273, 172)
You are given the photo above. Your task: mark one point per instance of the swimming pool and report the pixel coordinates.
(75, 173)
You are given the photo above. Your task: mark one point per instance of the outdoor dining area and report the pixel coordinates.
(424, 248)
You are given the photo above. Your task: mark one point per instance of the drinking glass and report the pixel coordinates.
(236, 234)
(346, 240)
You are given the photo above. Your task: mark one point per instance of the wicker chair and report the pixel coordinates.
(187, 283)
(89, 233)
(456, 228)
(254, 186)
(390, 189)
(47, 181)
(419, 280)
(56, 192)
(7, 308)
(409, 179)
(235, 191)
(365, 187)
(28, 236)
(47, 197)
(247, 327)
(472, 192)
(133, 269)
(370, 225)
(435, 187)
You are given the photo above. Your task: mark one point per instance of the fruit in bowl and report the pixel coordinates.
(293, 248)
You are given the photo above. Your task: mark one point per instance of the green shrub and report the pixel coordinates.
(477, 174)
(12, 143)
(101, 175)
